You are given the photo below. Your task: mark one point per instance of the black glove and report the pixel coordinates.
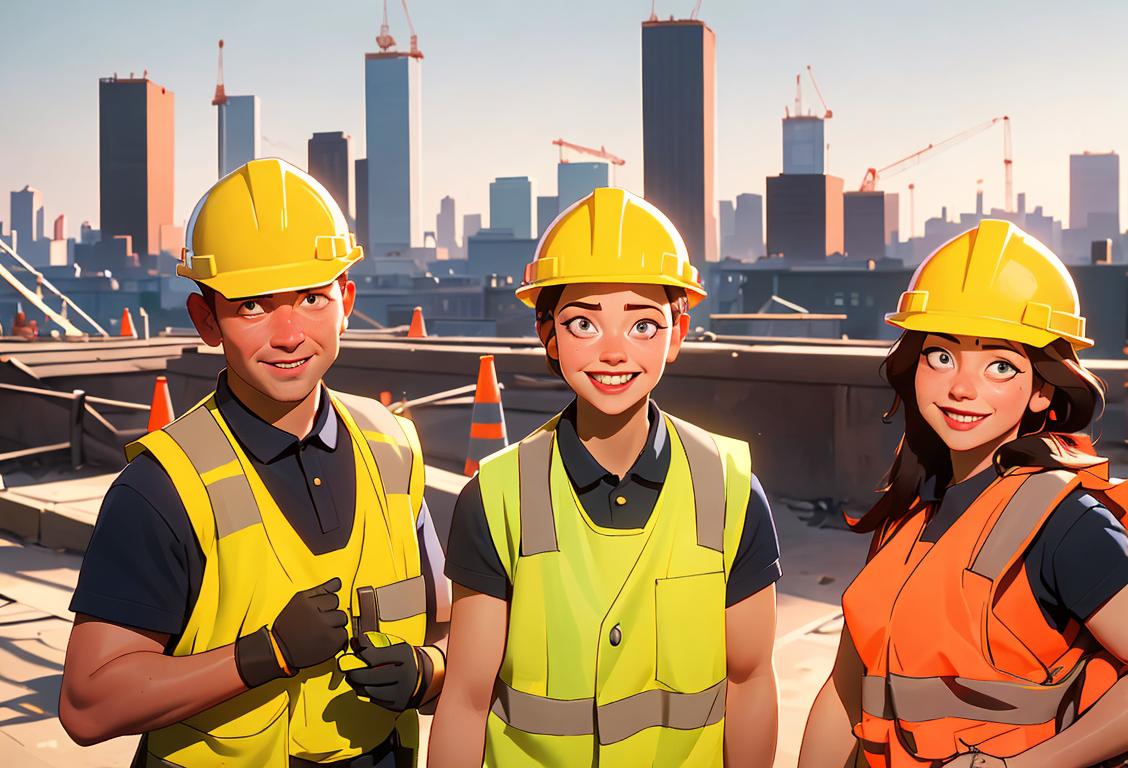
(396, 678)
(308, 631)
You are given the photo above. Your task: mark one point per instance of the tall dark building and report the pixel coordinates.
(361, 181)
(136, 158)
(804, 216)
(678, 111)
(329, 164)
(748, 226)
(864, 226)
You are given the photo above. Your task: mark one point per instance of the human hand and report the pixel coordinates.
(311, 628)
(386, 670)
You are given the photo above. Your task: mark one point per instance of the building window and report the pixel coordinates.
(839, 299)
(854, 299)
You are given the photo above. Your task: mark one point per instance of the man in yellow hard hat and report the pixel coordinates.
(614, 571)
(247, 543)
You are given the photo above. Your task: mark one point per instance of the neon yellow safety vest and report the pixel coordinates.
(616, 648)
(255, 562)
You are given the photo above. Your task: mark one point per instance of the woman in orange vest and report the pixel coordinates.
(989, 626)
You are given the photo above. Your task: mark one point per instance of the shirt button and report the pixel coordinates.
(317, 481)
(620, 500)
(616, 636)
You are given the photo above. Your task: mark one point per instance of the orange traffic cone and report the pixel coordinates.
(385, 398)
(487, 422)
(160, 412)
(127, 324)
(417, 329)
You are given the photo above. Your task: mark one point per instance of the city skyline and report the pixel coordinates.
(896, 79)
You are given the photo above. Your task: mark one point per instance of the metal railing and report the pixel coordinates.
(81, 404)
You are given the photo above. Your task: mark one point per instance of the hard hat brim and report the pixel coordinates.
(528, 293)
(244, 283)
(979, 326)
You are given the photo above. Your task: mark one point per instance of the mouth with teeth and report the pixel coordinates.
(287, 365)
(612, 382)
(962, 420)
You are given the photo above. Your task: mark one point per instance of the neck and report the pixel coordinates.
(614, 440)
(294, 417)
(971, 462)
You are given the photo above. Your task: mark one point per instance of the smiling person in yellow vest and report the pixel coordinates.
(247, 543)
(614, 571)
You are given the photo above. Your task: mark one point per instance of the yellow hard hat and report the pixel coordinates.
(611, 236)
(267, 227)
(994, 281)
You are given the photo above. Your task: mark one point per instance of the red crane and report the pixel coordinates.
(827, 111)
(601, 153)
(385, 41)
(220, 97)
(869, 183)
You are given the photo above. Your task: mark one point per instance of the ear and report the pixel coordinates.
(1041, 397)
(204, 319)
(681, 328)
(348, 300)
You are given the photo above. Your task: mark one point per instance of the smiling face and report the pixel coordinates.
(613, 341)
(975, 391)
(281, 344)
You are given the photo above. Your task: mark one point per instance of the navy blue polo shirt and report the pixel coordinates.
(611, 502)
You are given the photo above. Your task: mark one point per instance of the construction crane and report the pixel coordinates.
(601, 153)
(220, 96)
(869, 183)
(827, 112)
(220, 102)
(385, 41)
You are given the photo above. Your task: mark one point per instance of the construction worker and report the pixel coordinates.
(989, 626)
(614, 571)
(246, 543)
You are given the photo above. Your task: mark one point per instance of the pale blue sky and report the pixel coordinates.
(502, 78)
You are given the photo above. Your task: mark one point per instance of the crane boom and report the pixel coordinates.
(869, 183)
(600, 153)
(827, 111)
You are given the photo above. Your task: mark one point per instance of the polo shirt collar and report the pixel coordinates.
(264, 441)
(958, 496)
(584, 471)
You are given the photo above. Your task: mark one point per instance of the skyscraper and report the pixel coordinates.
(240, 131)
(394, 135)
(446, 227)
(548, 208)
(1094, 193)
(575, 181)
(27, 215)
(511, 205)
(471, 225)
(329, 163)
(136, 159)
(678, 128)
(360, 179)
(804, 144)
(748, 226)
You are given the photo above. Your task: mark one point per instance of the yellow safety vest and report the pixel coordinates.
(255, 562)
(615, 654)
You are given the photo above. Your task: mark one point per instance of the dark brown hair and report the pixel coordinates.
(549, 298)
(1077, 396)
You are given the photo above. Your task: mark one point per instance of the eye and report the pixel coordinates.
(1002, 370)
(314, 300)
(939, 359)
(250, 309)
(645, 329)
(581, 328)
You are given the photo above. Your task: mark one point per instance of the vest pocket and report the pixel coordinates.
(690, 617)
(256, 736)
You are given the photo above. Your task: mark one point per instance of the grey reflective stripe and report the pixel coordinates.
(386, 439)
(401, 599)
(537, 714)
(208, 449)
(874, 700)
(685, 711)
(708, 475)
(534, 463)
(488, 413)
(917, 699)
(1020, 519)
(617, 720)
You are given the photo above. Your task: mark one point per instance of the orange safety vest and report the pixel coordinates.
(958, 656)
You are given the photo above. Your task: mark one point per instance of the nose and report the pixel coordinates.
(612, 352)
(285, 329)
(963, 386)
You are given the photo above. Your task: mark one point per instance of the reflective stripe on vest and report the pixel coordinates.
(386, 440)
(615, 721)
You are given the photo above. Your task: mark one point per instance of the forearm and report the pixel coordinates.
(828, 739)
(1098, 735)
(752, 718)
(145, 690)
(458, 734)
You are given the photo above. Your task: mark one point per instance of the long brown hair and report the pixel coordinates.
(1077, 396)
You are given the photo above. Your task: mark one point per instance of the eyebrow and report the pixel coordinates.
(1005, 347)
(582, 305)
(952, 339)
(629, 307)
